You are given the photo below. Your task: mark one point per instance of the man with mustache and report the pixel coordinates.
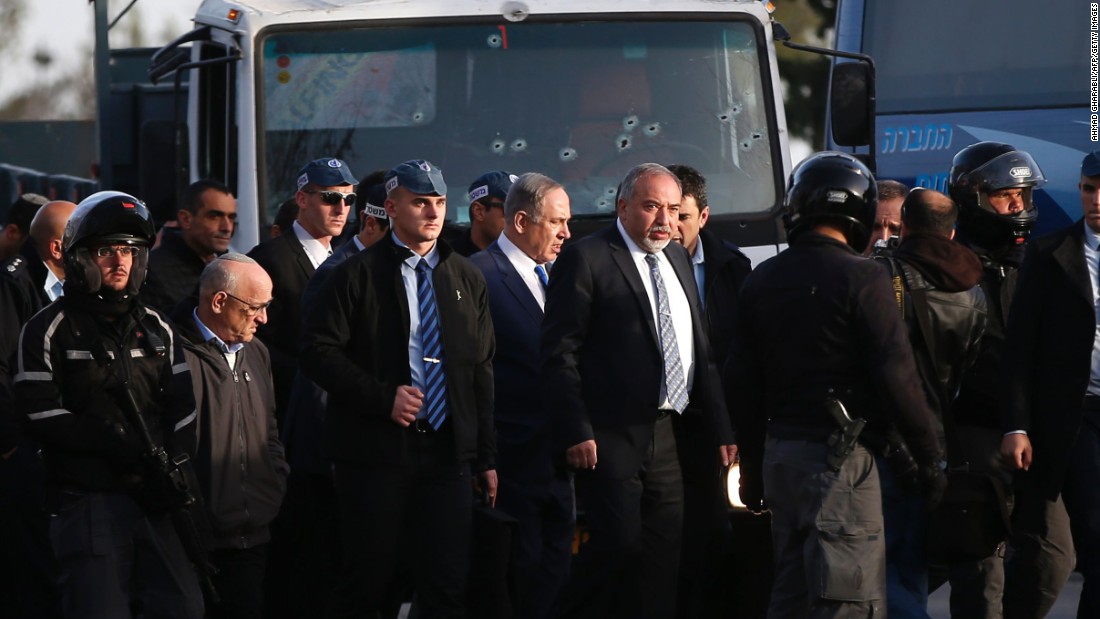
(84, 360)
(207, 219)
(626, 372)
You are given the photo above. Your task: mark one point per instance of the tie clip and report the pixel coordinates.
(431, 360)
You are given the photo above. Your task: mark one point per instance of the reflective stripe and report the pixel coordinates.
(186, 420)
(171, 335)
(22, 376)
(136, 352)
(47, 414)
(79, 354)
(179, 368)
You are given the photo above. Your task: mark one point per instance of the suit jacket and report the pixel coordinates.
(355, 345)
(724, 270)
(286, 262)
(601, 356)
(522, 440)
(303, 426)
(1048, 352)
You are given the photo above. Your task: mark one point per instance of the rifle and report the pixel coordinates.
(167, 486)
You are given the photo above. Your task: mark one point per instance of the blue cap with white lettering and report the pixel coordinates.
(326, 172)
(418, 176)
(495, 184)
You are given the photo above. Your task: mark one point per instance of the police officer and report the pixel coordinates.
(992, 183)
(819, 322)
(81, 358)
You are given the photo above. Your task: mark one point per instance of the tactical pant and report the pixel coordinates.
(117, 562)
(827, 531)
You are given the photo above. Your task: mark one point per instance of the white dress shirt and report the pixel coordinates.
(316, 251)
(525, 266)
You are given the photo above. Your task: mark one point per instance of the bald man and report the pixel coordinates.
(240, 463)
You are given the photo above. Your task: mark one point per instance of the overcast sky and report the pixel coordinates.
(65, 30)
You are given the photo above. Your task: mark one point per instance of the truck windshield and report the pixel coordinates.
(1009, 54)
(581, 102)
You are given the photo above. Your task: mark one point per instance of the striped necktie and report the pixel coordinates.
(434, 407)
(675, 385)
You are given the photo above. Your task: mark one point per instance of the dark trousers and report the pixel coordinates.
(302, 557)
(239, 583)
(1048, 532)
(420, 510)
(906, 528)
(117, 562)
(543, 552)
(28, 571)
(633, 503)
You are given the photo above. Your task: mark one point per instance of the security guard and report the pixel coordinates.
(81, 359)
(818, 323)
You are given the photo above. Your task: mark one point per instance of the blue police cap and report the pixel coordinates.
(418, 176)
(495, 184)
(1090, 166)
(326, 172)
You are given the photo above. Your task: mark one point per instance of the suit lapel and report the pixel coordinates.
(514, 283)
(1070, 256)
(299, 253)
(620, 255)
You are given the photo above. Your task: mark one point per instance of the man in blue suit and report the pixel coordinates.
(534, 487)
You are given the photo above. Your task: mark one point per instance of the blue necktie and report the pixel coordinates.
(434, 407)
(675, 385)
(541, 272)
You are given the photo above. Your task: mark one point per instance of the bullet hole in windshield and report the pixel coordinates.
(728, 114)
(652, 129)
(623, 142)
(497, 147)
(567, 154)
(630, 122)
(418, 117)
(519, 145)
(494, 40)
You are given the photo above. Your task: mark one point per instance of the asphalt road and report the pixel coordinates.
(1064, 608)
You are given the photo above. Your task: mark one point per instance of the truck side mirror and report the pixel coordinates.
(852, 104)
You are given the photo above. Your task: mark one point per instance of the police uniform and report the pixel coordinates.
(77, 359)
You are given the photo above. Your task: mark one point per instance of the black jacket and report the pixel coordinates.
(173, 274)
(817, 321)
(68, 389)
(724, 271)
(947, 275)
(21, 296)
(239, 463)
(1048, 353)
(979, 398)
(355, 345)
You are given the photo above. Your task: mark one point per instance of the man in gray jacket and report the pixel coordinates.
(240, 463)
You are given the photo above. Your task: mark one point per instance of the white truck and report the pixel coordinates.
(580, 90)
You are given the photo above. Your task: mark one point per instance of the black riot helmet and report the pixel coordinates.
(988, 166)
(831, 187)
(106, 218)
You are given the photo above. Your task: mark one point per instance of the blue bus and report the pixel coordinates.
(950, 73)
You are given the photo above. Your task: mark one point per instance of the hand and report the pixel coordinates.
(751, 491)
(582, 455)
(933, 483)
(486, 482)
(728, 454)
(1016, 450)
(406, 404)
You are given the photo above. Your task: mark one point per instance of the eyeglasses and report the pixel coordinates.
(249, 309)
(107, 251)
(334, 197)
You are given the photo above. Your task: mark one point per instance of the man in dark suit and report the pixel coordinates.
(534, 487)
(324, 198)
(705, 588)
(1052, 413)
(625, 367)
(402, 340)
